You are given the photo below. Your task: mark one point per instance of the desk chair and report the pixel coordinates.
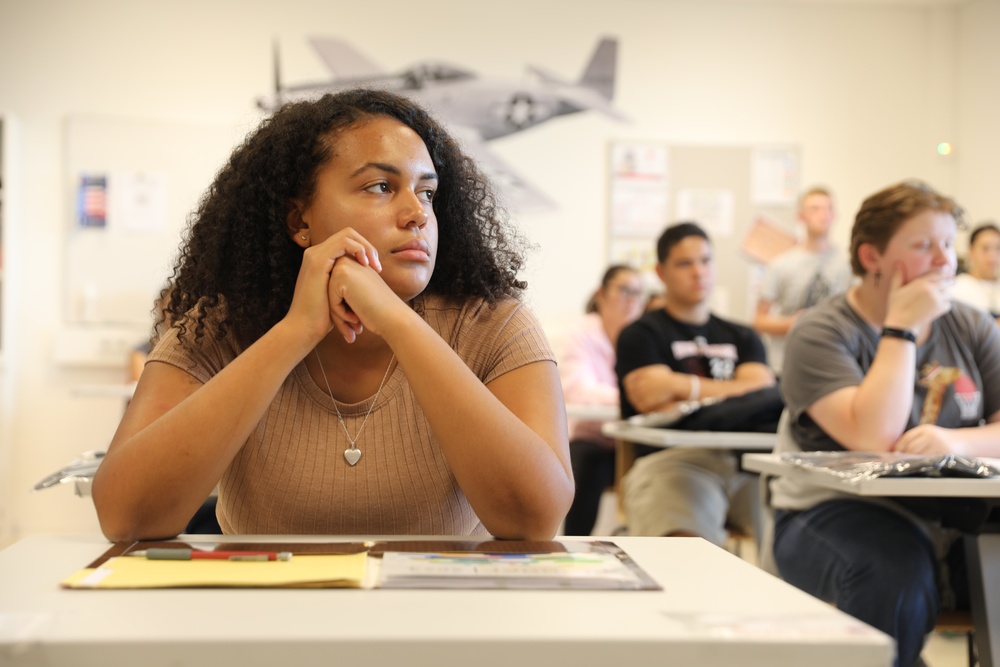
(204, 521)
(624, 458)
(956, 621)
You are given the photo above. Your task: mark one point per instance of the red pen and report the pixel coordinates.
(191, 554)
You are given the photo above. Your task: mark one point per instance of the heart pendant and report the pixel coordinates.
(352, 455)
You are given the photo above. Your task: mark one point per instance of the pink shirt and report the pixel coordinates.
(588, 374)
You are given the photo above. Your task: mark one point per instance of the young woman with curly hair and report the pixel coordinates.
(348, 354)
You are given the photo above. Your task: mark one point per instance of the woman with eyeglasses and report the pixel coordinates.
(587, 370)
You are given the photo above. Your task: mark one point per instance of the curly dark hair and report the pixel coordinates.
(237, 249)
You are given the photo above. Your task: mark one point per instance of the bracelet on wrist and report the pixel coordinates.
(695, 387)
(904, 334)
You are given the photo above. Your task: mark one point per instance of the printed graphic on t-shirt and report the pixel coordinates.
(968, 397)
(819, 289)
(937, 379)
(699, 357)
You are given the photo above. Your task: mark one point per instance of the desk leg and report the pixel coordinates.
(983, 556)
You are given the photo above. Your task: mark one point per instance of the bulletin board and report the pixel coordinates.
(131, 185)
(745, 197)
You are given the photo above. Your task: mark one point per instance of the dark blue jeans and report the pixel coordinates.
(871, 562)
(594, 471)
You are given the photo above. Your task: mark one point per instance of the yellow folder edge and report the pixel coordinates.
(305, 571)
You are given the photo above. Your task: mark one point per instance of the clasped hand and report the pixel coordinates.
(339, 286)
(926, 439)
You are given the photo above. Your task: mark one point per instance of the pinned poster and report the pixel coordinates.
(639, 189)
(712, 209)
(766, 239)
(774, 176)
(139, 201)
(92, 201)
(637, 253)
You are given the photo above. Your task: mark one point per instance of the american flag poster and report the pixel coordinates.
(92, 204)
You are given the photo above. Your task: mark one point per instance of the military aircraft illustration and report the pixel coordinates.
(477, 109)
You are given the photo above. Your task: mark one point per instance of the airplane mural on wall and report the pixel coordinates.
(477, 109)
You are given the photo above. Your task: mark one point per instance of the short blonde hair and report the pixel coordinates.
(815, 190)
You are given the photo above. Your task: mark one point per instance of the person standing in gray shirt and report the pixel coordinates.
(802, 276)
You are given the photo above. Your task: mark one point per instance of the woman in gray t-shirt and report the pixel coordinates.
(902, 370)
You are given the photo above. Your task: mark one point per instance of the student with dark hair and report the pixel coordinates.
(980, 286)
(891, 365)
(682, 352)
(347, 352)
(587, 370)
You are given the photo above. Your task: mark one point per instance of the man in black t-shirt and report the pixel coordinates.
(684, 352)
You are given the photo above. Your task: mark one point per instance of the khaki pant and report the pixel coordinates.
(689, 490)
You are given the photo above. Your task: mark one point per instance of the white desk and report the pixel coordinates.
(714, 610)
(665, 437)
(591, 412)
(951, 487)
(983, 550)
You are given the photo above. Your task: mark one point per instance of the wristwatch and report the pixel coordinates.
(893, 332)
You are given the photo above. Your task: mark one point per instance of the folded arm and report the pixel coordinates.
(178, 436)
(656, 387)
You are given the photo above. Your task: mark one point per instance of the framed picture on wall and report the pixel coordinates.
(640, 185)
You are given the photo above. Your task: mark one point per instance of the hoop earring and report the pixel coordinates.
(878, 276)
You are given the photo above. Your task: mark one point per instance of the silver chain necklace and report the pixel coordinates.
(352, 454)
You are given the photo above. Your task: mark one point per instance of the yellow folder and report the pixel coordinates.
(301, 571)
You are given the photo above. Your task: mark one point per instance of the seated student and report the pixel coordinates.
(980, 287)
(587, 370)
(892, 365)
(801, 277)
(348, 354)
(677, 353)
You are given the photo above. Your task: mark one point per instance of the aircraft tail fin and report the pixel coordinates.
(344, 60)
(277, 68)
(270, 103)
(599, 75)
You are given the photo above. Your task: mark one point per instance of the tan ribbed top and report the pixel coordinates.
(291, 476)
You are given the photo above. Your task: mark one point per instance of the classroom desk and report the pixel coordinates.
(943, 487)
(666, 437)
(591, 412)
(714, 609)
(982, 550)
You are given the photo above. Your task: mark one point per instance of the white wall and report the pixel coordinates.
(866, 91)
(978, 135)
